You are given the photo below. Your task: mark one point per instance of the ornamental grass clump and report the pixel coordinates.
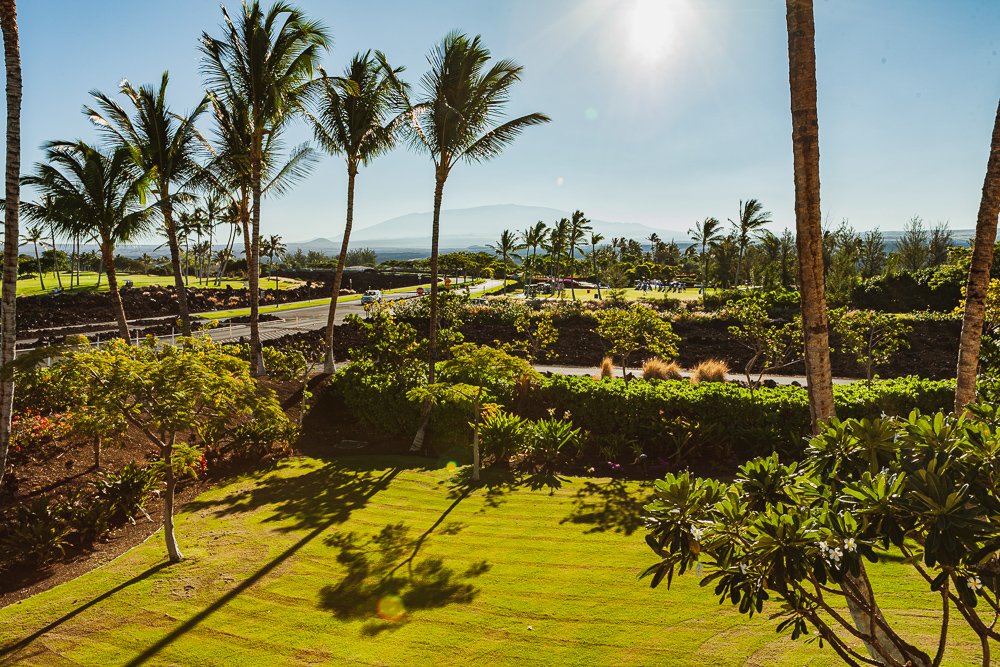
(710, 370)
(658, 369)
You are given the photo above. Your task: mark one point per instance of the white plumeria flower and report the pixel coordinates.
(850, 545)
(697, 532)
(822, 546)
(974, 582)
(743, 568)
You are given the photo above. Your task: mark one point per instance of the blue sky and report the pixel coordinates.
(664, 111)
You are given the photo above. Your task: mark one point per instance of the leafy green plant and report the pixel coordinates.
(36, 532)
(552, 442)
(502, 434)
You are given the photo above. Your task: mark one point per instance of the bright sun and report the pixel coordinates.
(652, 28)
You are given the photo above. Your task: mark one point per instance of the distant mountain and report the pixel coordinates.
(464, 227)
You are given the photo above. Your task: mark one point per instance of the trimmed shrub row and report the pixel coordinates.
(732, 419)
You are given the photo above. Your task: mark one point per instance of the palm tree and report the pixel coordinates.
(556, 244)
(353, 119)
(809, 240)
(12, 202)
(531, 238)
(507, 248)
(272, 247)
(706, 233)
(262, 67)
(103, 188)
(595, 238)
(979, 276)
(163, 144)
(575, 235)
(212, 208)
(34, 236)
(463, 95)
(752, 218)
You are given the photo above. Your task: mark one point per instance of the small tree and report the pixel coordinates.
(772, 346)
(872, 338)
(540, 336)
(635, 328)
(924, 487)
(183, 399)
(484, 371)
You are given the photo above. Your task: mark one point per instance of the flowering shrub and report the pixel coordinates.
(30, 429)
(923, 487)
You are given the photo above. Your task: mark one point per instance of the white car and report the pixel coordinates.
(371, 296)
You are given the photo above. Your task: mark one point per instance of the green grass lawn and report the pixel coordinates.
(391, 561)
(88, 282)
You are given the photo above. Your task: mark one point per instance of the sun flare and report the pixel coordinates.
(653, 28)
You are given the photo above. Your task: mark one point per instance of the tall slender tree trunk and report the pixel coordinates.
(572, 278)
(55, 258)
(38, 263)
(100, 271)
(253, 273)
(338, 275)
(173, 553)
(808, 221)
(108, 252)
(442, 174)
(175, 260)
(808, 224)
(979, 276)
(8, 299)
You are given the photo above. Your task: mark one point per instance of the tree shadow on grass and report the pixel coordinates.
(496, 482)
(23, 643)
(326, 495)
(319, 522)
(611, 506)
(386, 580)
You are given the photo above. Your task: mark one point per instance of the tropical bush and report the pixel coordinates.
(502, 434)
(43, 530)
(921, 487)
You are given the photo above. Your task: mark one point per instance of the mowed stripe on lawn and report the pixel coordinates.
(282, 569)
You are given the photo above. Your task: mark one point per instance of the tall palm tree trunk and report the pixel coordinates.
(572, 281)
(108, 253)
(805, 150)
(435, 230)
(338, 275)
(175, 262)
(55, 258)
(12, 194)
(979, 276)
(253, 274)
(38, 263)
(808, 221)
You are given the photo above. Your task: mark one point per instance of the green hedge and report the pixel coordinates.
(728, 419)
(724, 420)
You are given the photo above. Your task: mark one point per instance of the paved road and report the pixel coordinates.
(310, 318)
